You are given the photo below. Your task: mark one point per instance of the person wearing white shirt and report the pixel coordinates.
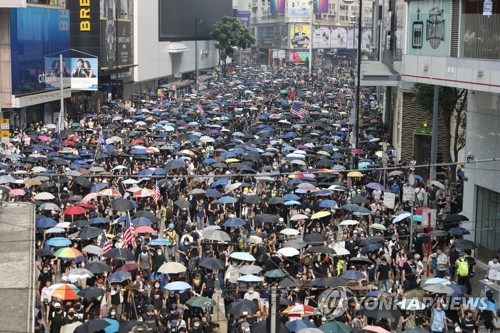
(494, 269)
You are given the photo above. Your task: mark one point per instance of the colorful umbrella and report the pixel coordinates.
(68, 253)
(64, 291)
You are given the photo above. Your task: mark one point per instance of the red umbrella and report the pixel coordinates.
(127, 267)
(17, 192)
(69, 143)
(86, 205)
(144, 229)
(75, 210)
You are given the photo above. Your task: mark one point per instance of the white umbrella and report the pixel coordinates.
(290, 232)
(172, 268)
(44, 196)
(38, 169)
(378, 226)
(70, 328)
(340, 251)
(63, 225)
(231, 187)
(93, 249)
(401, 217)
(299, 217)
(254, 239)
(437, 184)
(288, 252)
(78, 273)
(250, 269)
(349, 222)
(249, 278)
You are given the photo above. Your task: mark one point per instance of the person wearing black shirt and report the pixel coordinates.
(408, 273)
(384, 275)
(467, 323)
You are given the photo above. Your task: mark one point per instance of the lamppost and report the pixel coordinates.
(311, 3)
(196, 22)
(358, 86)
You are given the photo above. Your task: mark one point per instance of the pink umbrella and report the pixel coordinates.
(44, 138)
(89, 197)
(17, 192)
(376, 329)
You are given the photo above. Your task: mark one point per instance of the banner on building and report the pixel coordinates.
(84, 27)
(4, 130)
(244, 17)
(84, 73)
(300, 36)
(277, 6)
(320, 6)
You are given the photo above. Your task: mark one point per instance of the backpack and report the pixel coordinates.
(434, 262)
(394, 188)
(210, 283)
(462, 267)
(193, 263)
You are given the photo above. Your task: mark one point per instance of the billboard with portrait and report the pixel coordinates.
(116, 30)
(322, 38)
(300, 36)
(53, 72)
(84, 73)
(190, 18)
(35, 34)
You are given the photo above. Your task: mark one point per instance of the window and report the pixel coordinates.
(487, 223)
(344, 18)
(344, 7)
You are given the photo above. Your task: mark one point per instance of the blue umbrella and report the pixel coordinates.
(138, 152)
(371, 247)
(97, 187)
(418, 178)
(98, 220)
(121, 219)
(417, 218)
(291, 196)
(323, 193)
(227, 200)
(46, 222)
(458, 231)
(234, 222)
(295, 325)
(292, 203)
(375, 186)
(58, 242)
(178, 285)
(159, 242)
(146, 172)
(141, 221)
(118, 277)
(209, 161)
(114, 325)
(351, 274)
(160, 172)
(327, 203)
(220, 182)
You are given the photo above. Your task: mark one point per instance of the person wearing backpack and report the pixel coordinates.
(463, 272)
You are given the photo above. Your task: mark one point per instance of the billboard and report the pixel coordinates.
(190, 18)
(320, 6)
(36, 33)
(84, 27)
(300, 36)
(277, 6)
(84, 73)
(429, 28)
(244, 17)
(116, 30)
(326, 37)
(298, 57)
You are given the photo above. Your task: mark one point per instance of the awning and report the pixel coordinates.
(177, 47)
(377, 73)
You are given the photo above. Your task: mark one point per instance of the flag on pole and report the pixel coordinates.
(57, 132)
(156, 194)
(299, 111)
(129, 235)
(104, 243)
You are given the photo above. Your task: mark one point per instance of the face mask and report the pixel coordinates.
(45, 270)
(73, 266)
(58, 309)
(235, 264)
(113, 313)
(250, 291)
(118, 288)
(159, 252)
(157, 285)
(71, 313)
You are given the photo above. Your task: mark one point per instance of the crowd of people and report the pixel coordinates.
(156, 213)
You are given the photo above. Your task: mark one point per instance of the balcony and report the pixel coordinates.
(479, 37)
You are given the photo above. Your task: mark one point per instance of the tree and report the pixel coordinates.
(230, 33)
(453, 107)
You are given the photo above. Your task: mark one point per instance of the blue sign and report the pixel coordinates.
(36, 33)
(244, 17)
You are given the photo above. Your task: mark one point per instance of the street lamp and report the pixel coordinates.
(311, 3)
(358, 87)
(196, 22)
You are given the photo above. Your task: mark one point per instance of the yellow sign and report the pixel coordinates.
(85, 15)
(4, 123)
(300, 36)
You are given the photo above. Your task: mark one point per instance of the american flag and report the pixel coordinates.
(298, 110)
(104, 243)
(156, 195)
(129, 235)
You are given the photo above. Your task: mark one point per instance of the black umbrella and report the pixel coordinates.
(290, 282)
(89, 233)
(251, 199)
(212, 263)
(147, 214)
(182, 204)
(80, 223)
(360, 260)
(127, 326)
(330, 282)
(275, 201)
(320, 249)
(84, 182)
(120, 254)
(358, 200)
(455, 218)
(92, 326)
(243, 307)
(44, 253)
(371, 240)
(378, 312)
(98, 267)
(91, 292)
(314, 238)
(266, 218)
(175, 164)
(464, 244)
(263, 326)
(122, 205)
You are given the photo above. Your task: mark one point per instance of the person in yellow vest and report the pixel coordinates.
(340, 266)
(171, 236)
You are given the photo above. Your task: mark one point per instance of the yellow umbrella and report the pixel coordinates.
(321, 214)
(379, 153)
(232, 160)
(354, 174)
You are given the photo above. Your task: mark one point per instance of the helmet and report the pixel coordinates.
(171, 226)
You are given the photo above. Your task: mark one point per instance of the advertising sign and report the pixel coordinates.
(85, 27)
(244, 17)
(429, 28)
(300, 36)
(320, 6)
(35, 33)
(4, 130)
(322, 38)
(84, 73)
(52, 77)
(298, 57)
(408, 194)
(116, 36)
(277, 6)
